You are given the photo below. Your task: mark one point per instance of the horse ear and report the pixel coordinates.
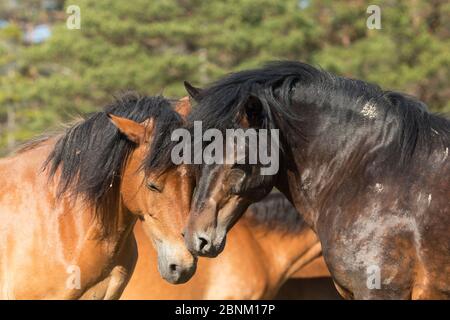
(183, 107)
(253, 113)
(135, 132)
(193, 92)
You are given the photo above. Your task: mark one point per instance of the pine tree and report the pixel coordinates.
(152, 46)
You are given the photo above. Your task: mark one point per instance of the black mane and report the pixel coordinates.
(91, 154)
(281, 85)
(275, 212)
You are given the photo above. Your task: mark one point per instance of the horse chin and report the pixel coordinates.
(181, 277)
(176, 268)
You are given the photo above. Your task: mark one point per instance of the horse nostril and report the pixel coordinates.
(203, 243)
(173, 267)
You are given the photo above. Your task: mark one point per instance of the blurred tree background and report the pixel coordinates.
(153, 45)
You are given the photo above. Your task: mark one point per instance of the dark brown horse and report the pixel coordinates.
(368, 169)
(269, 245)
(68, 205)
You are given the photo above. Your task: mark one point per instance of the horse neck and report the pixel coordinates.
(75, 211)
(338, 146)
(354, 143)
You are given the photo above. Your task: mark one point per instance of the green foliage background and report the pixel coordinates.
(153, 45)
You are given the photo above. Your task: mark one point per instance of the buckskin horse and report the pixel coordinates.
(368, 170)
(267, 247)
(68, 204)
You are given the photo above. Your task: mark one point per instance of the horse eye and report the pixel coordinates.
(153, 187)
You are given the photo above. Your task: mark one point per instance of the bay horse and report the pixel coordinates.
(269, 245)
(69, 202)
(368, 170)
